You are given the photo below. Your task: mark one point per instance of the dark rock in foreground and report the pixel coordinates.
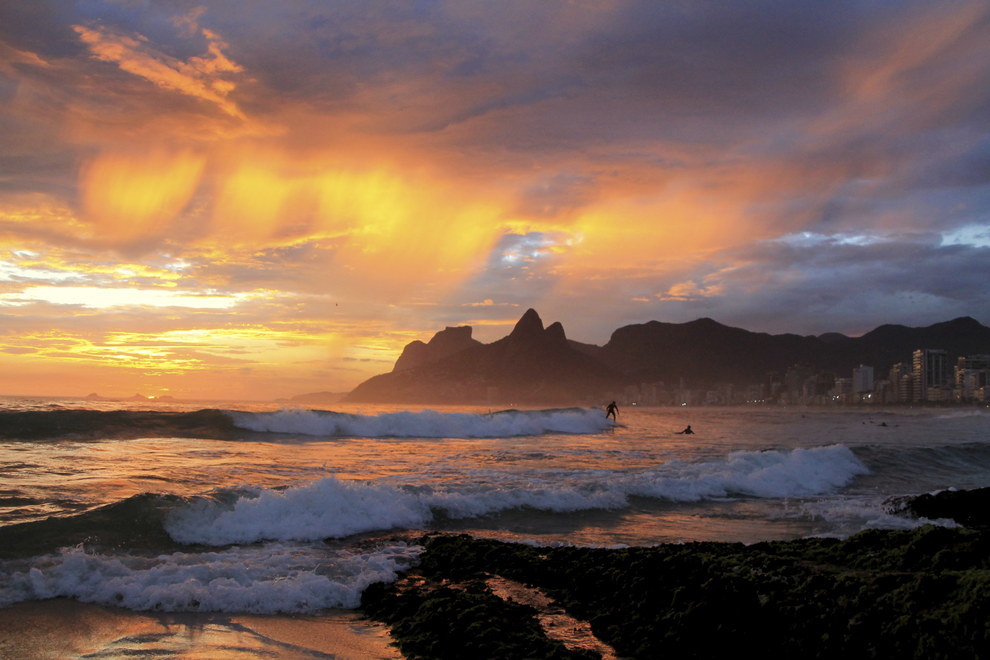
(923, 593)
(966, 507)
(462, 620)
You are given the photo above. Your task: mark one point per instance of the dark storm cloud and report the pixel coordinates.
(817, 284)
(721, 59)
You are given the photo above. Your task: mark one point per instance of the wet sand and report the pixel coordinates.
(60, 629)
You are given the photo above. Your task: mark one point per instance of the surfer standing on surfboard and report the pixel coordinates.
(611, 410)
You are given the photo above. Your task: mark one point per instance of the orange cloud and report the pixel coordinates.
(691, 290)
(130, 196)
(644, 229)
(929, 38)
(195, 78)
(390, 229)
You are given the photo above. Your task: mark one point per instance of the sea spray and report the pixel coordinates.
(266, 579)
(327, 508)
(335, 508)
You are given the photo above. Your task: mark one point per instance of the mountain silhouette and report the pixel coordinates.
(705, 352)
(531, 364)
(537, 364)
(446, 342)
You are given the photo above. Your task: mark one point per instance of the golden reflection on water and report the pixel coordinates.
(60, 628)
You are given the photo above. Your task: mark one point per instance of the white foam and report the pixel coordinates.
(544, 497)
(767, 474)
(960, 414)
(267, 579)
(848, 515)
(425, 424)
(334, 508)
(327, 508)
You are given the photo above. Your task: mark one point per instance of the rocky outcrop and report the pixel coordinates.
(966, 507)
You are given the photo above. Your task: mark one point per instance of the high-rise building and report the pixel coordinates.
(796, 382)
(931, 370)
(900, 380)
(862, 379)
(972, 377)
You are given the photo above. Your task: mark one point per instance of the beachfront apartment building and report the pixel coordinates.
(862, 379)
(932, 374)
(930, 377)
(972, 378)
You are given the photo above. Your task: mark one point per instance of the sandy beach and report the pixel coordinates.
(59, 628)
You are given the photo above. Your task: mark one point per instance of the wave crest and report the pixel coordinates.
(332, 508)
(425, 424)
(268, 579)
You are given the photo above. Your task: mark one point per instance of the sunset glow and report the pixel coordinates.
(264, 200)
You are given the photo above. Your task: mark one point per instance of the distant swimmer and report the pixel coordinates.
(686, 431)
(611, 410)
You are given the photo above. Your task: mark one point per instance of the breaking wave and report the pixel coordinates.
(271, 550)
(264, 579)
(232, 424)
(426, 423)
(331, 507)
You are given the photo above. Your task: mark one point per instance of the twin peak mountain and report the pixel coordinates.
(537, 364)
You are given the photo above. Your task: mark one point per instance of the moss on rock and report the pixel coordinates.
(923, 593)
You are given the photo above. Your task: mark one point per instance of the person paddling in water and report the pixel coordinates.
(611, 410)
(686, 431)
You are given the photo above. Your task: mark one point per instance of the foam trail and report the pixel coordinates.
(425, 424)
(269, 579)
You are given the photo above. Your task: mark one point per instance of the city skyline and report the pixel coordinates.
(258, 200)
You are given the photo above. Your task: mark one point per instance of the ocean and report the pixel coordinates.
(233, 518)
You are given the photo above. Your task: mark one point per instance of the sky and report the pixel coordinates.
(248, 199)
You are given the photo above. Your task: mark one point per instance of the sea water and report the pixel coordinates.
(256, 509)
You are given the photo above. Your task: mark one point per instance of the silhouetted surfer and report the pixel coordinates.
(611, 410)
(686, 431)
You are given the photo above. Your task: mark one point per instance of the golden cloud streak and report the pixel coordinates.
(390, 230)
(194, 78)
(134, 196)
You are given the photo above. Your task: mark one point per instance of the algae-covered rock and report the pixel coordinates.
(466, 620)
(923, 593)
